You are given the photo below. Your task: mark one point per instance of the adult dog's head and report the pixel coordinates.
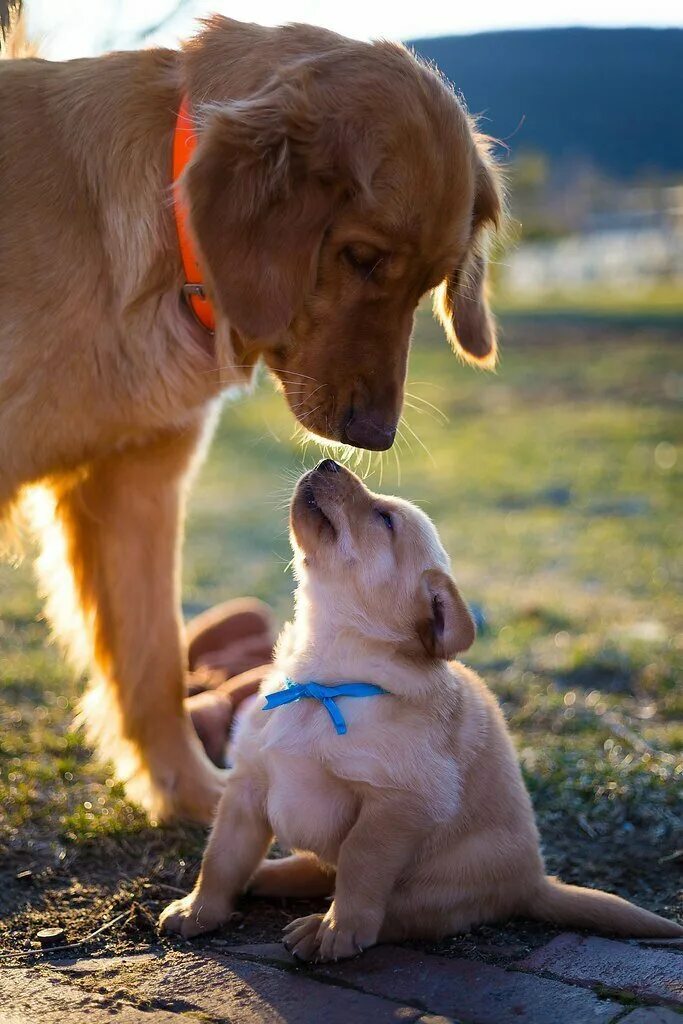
(335, 183)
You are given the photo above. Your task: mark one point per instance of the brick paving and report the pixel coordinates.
(646, 972)
(460, 989)
(652, 1015)
(571, 980)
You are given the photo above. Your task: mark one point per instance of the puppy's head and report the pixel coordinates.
(344, 186)
(376, 564)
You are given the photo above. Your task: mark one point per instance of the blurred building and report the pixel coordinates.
(635, 241)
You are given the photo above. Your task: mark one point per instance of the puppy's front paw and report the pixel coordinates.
(339, 940)
(301, 937)
(320, 939)
(189, 917)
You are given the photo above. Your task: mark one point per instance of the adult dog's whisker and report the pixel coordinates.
(229, 366)
(424, 401)
(307, 413)
(402, 437)
(296, 373)
(421, 412)
(293, 376)
(398, 463)
(429, 405)
(419, 440)
(426, 384)
(303, 390)
(313, 392)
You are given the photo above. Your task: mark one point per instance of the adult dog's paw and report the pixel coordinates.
(319, 939)
(189, 917)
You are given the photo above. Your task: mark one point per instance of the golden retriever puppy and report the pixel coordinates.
(410, 794)
(333, 184)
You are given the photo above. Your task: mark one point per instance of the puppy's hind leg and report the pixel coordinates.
(301, 876)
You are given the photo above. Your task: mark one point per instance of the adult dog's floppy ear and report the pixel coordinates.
(261, 197)
(444, 624)
(461, 301)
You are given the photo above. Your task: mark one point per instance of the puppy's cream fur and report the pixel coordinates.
(420, 808)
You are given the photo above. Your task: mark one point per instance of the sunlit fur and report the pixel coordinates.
(307, 143)
(417, 819)
(345, 149)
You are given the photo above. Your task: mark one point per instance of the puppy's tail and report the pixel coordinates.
(576, 907)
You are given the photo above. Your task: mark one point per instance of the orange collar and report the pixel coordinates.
(184, 142)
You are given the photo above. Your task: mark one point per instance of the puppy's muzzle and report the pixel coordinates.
(328, 466)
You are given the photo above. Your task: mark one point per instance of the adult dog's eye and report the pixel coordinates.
(386, 518)
(362, 258)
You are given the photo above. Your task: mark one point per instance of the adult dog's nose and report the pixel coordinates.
(363, 431)
(328, 466)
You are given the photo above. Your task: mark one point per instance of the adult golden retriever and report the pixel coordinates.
(335, 183)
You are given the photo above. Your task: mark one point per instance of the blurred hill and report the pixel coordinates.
(605, 98)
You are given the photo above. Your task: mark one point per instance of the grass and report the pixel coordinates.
(556, 484)
(661, 300)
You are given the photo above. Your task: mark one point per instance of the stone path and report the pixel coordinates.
(571, 980)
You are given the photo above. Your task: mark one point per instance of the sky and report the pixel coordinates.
(73, 28)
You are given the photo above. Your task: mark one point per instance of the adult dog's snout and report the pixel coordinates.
(365, 430)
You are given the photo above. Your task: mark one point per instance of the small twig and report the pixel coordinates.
(170, 888)
(586, 826)
(675, 856)
(70, 945)
(616, 725)
(620, 729)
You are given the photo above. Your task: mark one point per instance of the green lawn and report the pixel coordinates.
(661, 300)
(556, 484)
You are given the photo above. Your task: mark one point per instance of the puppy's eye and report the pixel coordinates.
(362, 258)
(386, 518)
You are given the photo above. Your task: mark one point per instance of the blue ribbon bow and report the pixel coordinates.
(325, 694)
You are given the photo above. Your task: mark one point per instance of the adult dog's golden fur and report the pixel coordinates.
(334, 183)
(420, 808)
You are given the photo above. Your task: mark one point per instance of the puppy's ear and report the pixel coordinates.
(461, 301)
(261, 194)
(444, 624)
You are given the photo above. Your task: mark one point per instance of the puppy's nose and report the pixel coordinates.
(363, 431)
(328, 466)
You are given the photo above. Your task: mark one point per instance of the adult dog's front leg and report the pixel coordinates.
(240, 838)
(376, 850)
(110, 564)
